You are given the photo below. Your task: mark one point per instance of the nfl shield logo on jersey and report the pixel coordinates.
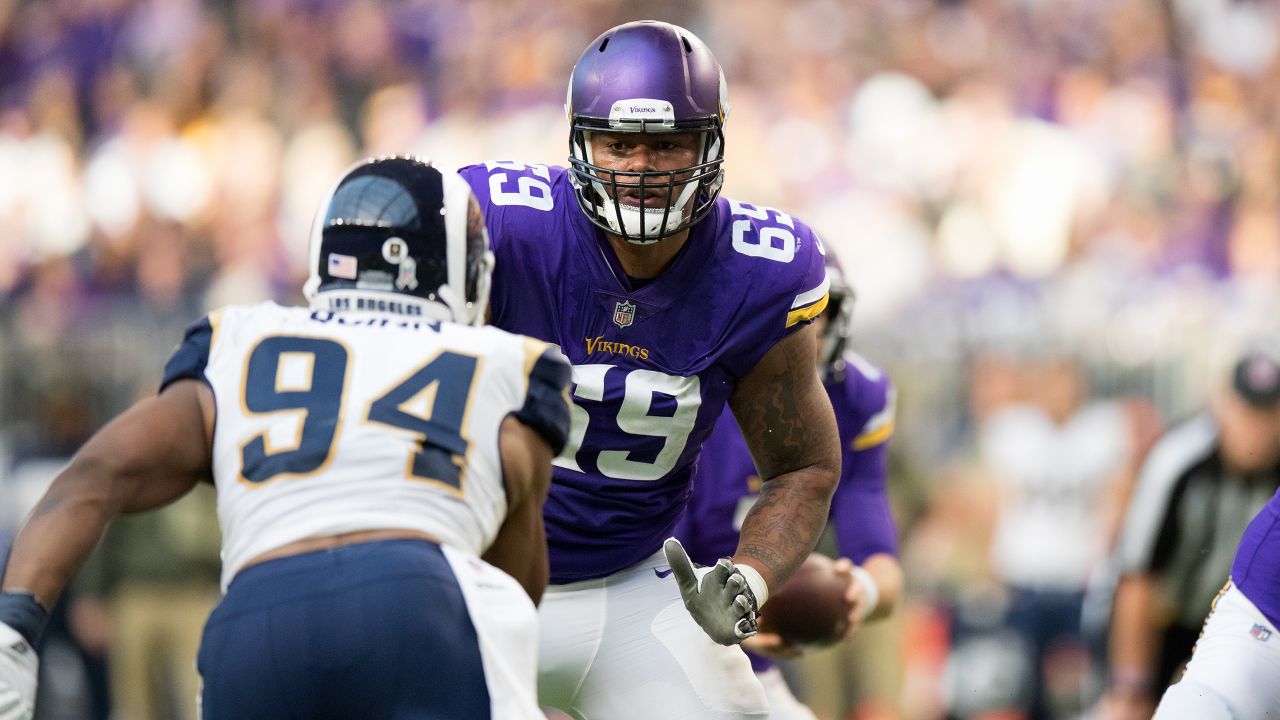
(624, 313)
(1260, 632)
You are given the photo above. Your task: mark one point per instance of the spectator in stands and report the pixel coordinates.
(1058, 459)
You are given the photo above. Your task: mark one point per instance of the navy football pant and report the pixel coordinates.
(373, 631)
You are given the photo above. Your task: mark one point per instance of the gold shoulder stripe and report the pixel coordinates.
(215, 322)
(810, 312)
(533, 350)
(875, 437)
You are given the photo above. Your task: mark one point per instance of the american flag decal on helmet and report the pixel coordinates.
(624, 313)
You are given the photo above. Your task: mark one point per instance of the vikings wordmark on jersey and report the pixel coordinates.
(653, 363)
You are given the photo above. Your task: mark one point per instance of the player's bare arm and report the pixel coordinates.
(1134, 646)
(147, 457)
(787, 421)
(520, 548)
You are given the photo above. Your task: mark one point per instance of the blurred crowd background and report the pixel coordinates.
(1047, 204)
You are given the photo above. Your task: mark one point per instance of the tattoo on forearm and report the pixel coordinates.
(777, 418)
(784, 524)
(789, 425)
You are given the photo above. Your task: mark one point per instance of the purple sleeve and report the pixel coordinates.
(477, 176)
(1256, 569)
(811, 295)
(523, 220)
(864, 405)
(860, 506)
(783, 262)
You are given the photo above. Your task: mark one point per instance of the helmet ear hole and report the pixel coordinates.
(687, 47)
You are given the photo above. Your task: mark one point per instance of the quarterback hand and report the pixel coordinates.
(718, 597)
(18, 665)
(772, 645)
(855, 595)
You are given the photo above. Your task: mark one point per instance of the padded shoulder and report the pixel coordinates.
(191, 357)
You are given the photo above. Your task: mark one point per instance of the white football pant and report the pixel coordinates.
(782, 704)
(624, 647)
(1235, 671)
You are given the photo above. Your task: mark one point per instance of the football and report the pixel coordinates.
(810, 609)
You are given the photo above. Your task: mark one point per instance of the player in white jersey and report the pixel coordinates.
(370, 454)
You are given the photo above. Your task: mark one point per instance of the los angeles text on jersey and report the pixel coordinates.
(598, 344)
(372, 304)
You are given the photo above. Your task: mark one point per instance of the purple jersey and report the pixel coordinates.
(725, 484)
(1256, 570)
(653, 363)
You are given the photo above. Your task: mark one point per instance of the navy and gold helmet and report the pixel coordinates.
(397, 235)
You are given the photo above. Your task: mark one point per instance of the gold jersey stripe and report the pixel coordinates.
(533, 350)
(873, 438)
(810, 312)
(215, 322)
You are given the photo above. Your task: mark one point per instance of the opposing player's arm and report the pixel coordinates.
(145, 458)
(529, 438)
(520, 549)
(787, 421)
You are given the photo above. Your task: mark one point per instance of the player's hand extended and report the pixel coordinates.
(18, 666)
(772, 645)
(717, 597)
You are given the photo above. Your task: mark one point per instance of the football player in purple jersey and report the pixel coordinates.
(726, 485)
(669, 301)
(1234, 672)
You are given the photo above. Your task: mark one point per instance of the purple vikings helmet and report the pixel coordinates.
(397, 235)
(839, 312)
(647, 77)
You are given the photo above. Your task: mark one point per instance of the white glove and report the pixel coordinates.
(720, 598)
(18, 667)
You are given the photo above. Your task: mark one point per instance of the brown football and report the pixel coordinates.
(810, 609)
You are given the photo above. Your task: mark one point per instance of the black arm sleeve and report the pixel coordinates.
(192, 355)
(546, 407)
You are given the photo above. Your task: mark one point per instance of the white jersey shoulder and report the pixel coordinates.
(329, 424)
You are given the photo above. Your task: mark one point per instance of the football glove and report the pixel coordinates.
(719, 597)
(18, 666)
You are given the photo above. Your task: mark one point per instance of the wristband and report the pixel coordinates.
(870, 589)
(754, 581)
(24, 612)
